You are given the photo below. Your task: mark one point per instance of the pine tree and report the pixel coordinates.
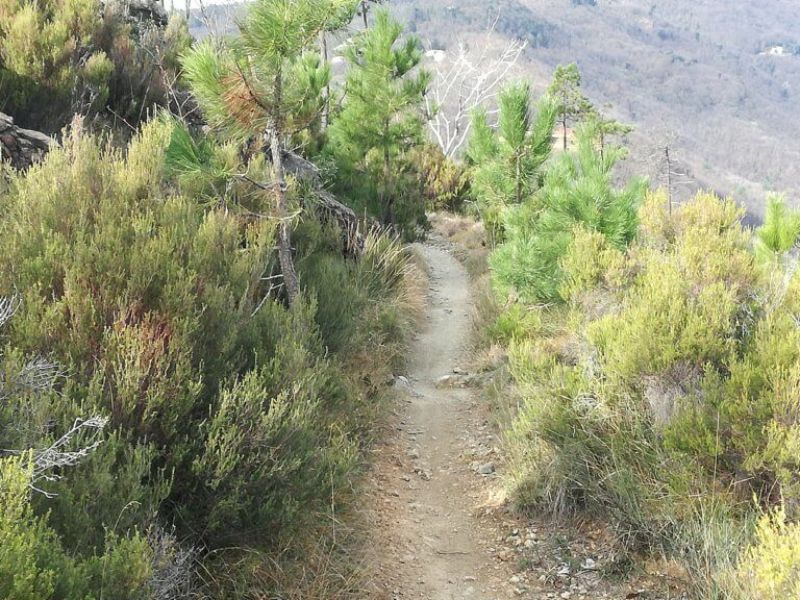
(780, 230)
(578, 190)
(605, 128)
(508, 163)
(382, 116)
(244, 88)
(565, 90)
(341, 19)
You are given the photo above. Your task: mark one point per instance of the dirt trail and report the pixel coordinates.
(439, 529)
(432, 543)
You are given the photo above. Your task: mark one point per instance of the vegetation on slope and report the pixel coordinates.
(656, 353)
(178, 419)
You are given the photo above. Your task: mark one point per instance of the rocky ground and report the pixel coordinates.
(21, 147)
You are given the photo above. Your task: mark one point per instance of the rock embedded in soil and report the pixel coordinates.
(486, 469)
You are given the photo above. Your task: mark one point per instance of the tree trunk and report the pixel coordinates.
(388, 197)
(323, 50)
(564, 124)
(364, 13)
(669, 180)
(284, 227)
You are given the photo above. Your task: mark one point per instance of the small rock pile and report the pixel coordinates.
(21, 147)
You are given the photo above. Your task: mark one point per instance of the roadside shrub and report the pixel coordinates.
(60, 57)
(34, 565)
(768, 567)
(231, 415)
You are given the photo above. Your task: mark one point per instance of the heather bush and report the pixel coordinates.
(61, 57)
(231, 415)
(662, 397)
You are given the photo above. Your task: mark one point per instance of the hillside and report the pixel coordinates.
(717, 78)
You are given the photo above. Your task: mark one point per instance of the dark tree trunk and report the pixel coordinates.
(323, 50)
(284, 227)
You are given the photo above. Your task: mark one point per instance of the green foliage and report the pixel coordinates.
(34, 565)
(768, 568)
(508, 163)
(59, 57)
(444, 183)
(40, 46)
(380, 123)
(146, 65)
(244, 86)
(565, 91)
(662, 398)
(780, 230)
(231, 415)
(577, 190)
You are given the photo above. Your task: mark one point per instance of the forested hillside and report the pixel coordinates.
(716, 81)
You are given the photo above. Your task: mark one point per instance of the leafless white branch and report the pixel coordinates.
(57, 456)
(8, 308)
(469, 79)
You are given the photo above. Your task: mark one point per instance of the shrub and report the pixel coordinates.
(768, 568)
(60, 57)
(34, 565)
(231, 414)
(662, 398)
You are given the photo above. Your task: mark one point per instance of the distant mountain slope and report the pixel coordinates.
(720, 78)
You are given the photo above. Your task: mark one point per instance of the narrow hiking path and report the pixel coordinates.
(439, 528)
(432, 543)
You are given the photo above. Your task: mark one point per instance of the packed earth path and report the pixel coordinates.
(438, 476)
(439, 524)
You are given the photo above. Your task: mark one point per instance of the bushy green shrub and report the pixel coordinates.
(60, 57)
(665, 399)
(768, 568)
(232, 415)
(35, 566)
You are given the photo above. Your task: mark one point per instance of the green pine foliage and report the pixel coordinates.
(780, 230)
(571, 105)
(507, 163)
(577, 190)
(372, 138)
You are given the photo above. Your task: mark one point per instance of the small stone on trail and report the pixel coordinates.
(444, 381)
(486, 469)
